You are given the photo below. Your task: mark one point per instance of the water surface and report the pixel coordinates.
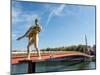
(54, 66)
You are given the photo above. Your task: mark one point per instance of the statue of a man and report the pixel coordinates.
(32, 35)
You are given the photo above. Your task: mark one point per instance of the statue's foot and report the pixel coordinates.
(39, 58)
(28, 58)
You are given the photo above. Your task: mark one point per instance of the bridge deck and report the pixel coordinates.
(45, 56)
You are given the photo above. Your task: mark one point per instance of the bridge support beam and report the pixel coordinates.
(31, 65)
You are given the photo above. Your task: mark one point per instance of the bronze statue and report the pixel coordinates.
(32, 35)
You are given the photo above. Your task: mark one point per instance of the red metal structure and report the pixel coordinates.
(16, 58)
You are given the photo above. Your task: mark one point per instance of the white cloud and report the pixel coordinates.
(20, 16)
(56, 12)
(49, 18)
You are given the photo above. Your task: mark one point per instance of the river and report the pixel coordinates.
(55, 67)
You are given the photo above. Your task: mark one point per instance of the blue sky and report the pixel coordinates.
(62, 24)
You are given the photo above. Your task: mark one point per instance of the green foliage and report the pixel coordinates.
(80, 48)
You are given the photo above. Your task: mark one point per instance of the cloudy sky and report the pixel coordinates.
(62, 24)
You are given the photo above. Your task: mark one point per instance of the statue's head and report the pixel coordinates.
(36, 21)
(37, 25)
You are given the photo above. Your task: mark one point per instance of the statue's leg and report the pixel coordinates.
(28, 50)
(36, 40)
(38, 53)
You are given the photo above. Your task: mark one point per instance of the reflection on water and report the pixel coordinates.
(63, 66)
(19, 68)
(54, 66)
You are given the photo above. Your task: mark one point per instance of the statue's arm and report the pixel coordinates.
(20, 38)
(24, 34)
(27, 31)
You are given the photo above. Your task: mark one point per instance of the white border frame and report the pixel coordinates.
(5, 36)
